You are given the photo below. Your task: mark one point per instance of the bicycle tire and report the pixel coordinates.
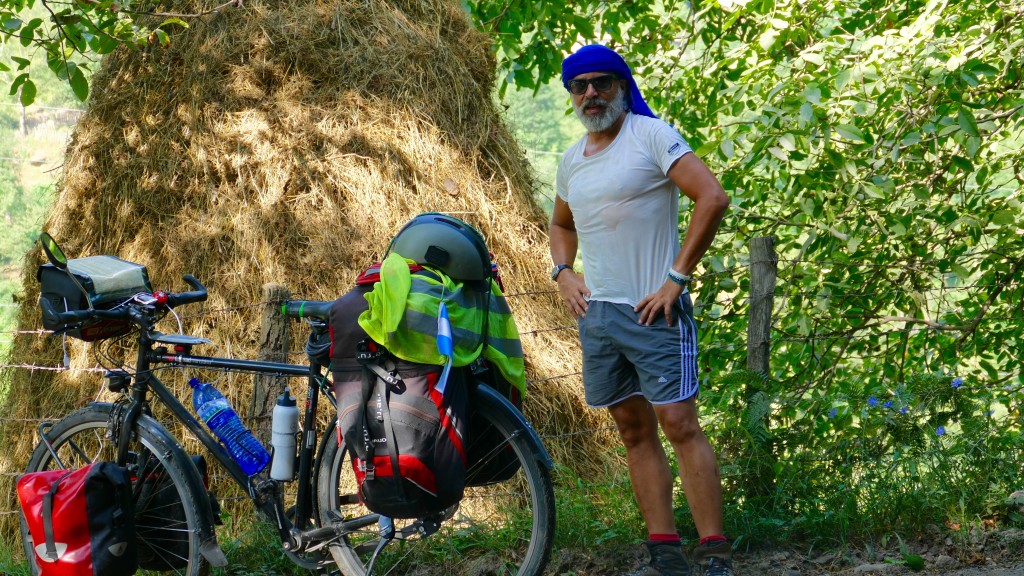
(81, 438)
(485, 534)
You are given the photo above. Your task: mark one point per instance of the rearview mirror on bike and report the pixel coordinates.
(53, 252)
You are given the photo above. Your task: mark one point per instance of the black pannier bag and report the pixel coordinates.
(392, 417)
(81, 521)
(107, 281)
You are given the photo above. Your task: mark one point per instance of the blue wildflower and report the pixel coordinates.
(957, 382)
(903, 410)
(832, 413)
(888, 404)
(872, 401)
(940, 430)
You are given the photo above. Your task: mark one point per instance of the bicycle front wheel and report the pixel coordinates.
(166, 511)
(505, 527)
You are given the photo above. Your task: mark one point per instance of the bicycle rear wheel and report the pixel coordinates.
(505, 527)
(166, 513)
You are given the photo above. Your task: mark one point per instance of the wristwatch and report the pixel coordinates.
(558, 270)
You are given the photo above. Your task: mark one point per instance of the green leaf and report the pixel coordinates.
(813, 94)
(813, 57)
(806, 112)
(1004, 218)
(12, 24)
(174, 21)
(21, 62)
(911, 139)
(967, 122)
(842, 79)
(28, 93)
(788, 141)
(26, 36)
(851, 132)
(79, 85)
(914, 562)
(21, 79)
(103, 44)
(162, 38)
(963, 164)
(727, 149)
(961, 272)
(767, 40)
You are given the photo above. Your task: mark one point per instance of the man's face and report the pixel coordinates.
(598, 99)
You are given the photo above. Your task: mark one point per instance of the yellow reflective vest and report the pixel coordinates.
(402, 317)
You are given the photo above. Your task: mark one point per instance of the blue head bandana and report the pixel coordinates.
(598, 58)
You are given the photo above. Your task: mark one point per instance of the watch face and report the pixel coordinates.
(557, 269)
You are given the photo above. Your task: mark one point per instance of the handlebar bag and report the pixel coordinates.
(81, 521)
(105, 282)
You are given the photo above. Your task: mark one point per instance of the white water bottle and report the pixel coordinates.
(285, 424)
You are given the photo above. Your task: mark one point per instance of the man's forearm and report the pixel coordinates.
(564, 245)
(704, 223)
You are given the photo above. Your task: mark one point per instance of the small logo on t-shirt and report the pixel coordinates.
(674, 147)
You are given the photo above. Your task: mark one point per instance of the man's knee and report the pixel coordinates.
(679, 423)
(635, 421)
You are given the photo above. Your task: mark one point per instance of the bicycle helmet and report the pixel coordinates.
(445, 243)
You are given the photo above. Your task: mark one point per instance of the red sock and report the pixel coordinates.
(713, 539)
(665, 538)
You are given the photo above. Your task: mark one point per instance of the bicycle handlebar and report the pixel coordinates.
(299, 309)
(198, 294)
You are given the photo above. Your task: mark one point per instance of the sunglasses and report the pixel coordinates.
(578, 86)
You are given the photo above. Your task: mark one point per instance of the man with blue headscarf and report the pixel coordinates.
(618, 202)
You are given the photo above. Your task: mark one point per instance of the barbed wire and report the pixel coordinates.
(32, 367)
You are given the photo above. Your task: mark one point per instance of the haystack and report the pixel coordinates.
(286, 142)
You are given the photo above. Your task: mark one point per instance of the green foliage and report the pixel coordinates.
(545, 129)
(594, 514)
(68, 36)
(12, 560)
(21, 212)
(26, 193)
(880, 143)
(253, 549)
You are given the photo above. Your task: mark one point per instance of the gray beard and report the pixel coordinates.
(606, 118)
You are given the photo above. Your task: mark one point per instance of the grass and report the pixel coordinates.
(12, 560)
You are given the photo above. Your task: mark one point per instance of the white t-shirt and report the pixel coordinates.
(625, 208)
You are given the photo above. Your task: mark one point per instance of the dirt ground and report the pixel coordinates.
(985, 553)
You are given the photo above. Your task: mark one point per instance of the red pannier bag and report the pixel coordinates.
(81, 521)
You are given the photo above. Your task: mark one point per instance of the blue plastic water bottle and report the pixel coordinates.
(214, 409)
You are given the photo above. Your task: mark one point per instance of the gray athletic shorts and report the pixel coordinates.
(623, 358)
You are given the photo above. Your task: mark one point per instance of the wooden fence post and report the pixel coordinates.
(763, 275)
(275, 341)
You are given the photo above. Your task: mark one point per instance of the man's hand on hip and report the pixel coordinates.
(659, 303)
(574, 292)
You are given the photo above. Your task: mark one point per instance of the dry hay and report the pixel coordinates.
(286, 142)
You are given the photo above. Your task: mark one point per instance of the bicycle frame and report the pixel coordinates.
(264, 492)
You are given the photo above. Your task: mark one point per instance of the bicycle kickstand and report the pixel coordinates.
(387, 534)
